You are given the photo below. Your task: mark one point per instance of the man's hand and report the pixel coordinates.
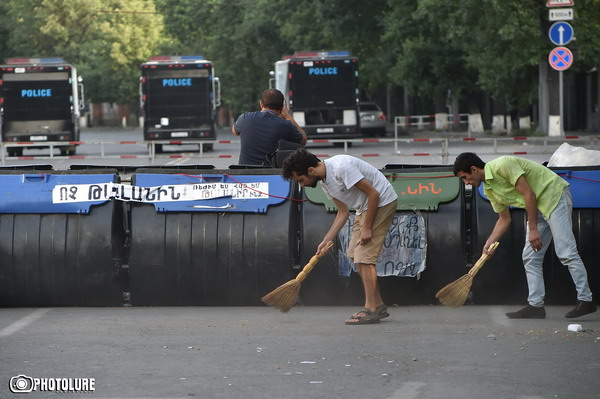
(486, 248)
(285, 113)
(365, 236)
(322, 248)
(535, 240)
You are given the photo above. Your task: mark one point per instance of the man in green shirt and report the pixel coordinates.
(517, 182)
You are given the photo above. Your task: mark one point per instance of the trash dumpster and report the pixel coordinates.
(59, 244)
(585, 189)
(423, 251)
(502, 279)
(210, 237)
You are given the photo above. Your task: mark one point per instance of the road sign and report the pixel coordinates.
(560, 14)
(560, 33)
(559, 3)
(561, 58)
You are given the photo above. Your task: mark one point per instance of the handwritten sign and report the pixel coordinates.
(404, 248)
(176, 192)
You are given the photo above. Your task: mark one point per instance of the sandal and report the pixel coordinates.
(364, 316)
(381, 311)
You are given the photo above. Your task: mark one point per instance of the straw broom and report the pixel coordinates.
(455, 293)
(285, 296)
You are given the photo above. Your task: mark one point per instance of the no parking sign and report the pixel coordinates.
(560, 58)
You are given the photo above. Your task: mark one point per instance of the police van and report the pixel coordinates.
(40, 102)
(179, 96)
(321, 90)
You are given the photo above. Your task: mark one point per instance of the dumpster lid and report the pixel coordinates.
(416, 190)
(584, 183)
(213, 191)
(35, 192)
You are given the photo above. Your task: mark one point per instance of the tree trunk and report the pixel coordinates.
(441, 113)
(475, 120)
(499, 118)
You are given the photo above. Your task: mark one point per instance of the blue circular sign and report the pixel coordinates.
(561, 58)
(560, 33)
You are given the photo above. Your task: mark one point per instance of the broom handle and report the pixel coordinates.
(479, 264)
(311, 263)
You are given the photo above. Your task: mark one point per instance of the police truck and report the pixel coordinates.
(40, 102)
(321, 90)
(179, 97)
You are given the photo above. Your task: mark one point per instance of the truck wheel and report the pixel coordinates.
(342, 145)
(70, 150)
(15, 151)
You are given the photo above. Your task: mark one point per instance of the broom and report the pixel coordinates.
(455, 293)
(285, 296)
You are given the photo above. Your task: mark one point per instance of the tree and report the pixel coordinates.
(245, 39)
(586, 26)
(105, 39)
(353, 25)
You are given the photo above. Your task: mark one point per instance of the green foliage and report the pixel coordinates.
(586, 25)
(425, 46)
(105, 39)
(246, 38)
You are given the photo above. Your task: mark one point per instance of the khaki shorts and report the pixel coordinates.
(369, 252)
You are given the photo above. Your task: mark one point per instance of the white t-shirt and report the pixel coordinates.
(344, 171)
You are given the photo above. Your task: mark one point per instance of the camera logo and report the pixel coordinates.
(21, 384)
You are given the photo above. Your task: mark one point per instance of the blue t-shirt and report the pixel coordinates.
(260, 133)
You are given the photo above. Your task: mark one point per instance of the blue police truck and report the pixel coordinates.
(40, 104)
(179, 96)
(321, 90)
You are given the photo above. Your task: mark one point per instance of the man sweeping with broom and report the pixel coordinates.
(352, 183)
(511, 181)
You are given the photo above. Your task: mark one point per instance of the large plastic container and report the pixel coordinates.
(503, 280)
(57, 250)
(213, 249)
(585, 190)
(433, 194)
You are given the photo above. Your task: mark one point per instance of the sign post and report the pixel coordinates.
(560, 58)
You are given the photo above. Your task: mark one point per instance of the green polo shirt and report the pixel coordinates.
(501, 176)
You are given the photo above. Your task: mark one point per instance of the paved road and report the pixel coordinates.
(256, 352)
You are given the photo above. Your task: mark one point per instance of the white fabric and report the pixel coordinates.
(344, 171)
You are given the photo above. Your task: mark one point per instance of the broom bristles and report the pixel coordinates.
(455, 294)
(283, 297)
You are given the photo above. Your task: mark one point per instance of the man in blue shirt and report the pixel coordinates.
(261, 131)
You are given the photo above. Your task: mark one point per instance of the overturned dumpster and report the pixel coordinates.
(424, 249)
(210, 237)
(61, 240)
(503, 281)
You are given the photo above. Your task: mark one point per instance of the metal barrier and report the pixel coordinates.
(421, 122)
(442, 147)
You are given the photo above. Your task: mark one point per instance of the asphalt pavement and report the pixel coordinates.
(258, 352)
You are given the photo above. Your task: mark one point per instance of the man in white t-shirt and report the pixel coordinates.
(352, 184)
